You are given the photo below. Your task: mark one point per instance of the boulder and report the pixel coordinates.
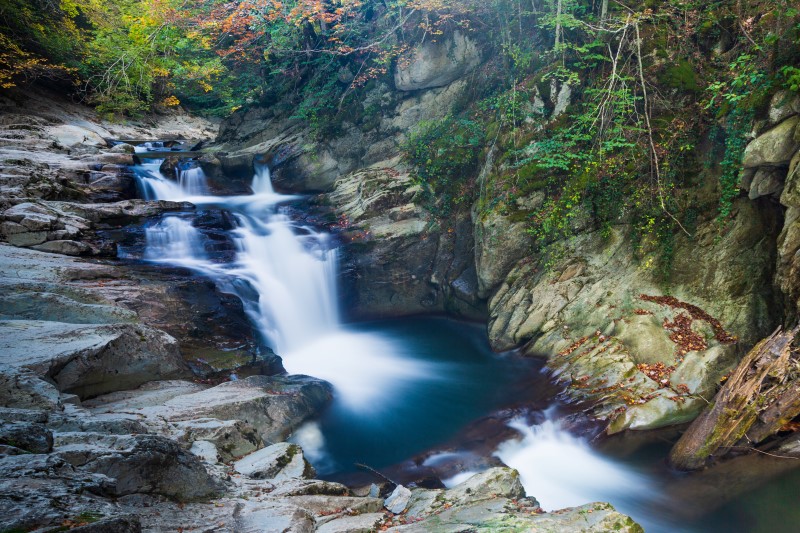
(783, 105)
(495, 500)
(273, 405)
(437, 63)
(398, 499)
(64, 247)
(89, 360)
(142, 464)
(774, 147)
(22, 389)
(31, 437)
(279, 461)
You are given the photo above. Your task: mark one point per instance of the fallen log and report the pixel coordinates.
(758, 399)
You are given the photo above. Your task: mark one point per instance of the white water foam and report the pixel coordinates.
(561, 470)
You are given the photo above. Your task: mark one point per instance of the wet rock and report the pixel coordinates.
(89, 360)
(437, 63)
(30, 437)
(279, 461)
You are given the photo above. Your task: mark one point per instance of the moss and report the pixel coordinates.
(680, 75)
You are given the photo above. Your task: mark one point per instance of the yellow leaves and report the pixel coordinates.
(170, 101)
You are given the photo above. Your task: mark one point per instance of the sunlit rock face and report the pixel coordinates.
(436, 63)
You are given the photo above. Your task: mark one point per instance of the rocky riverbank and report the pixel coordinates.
(117, 412)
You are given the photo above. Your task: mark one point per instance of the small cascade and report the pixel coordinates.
(262, 181)
(561, 470)
(174, 240)
(295, 276)
(192, 181)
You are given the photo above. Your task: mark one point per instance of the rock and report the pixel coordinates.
(782, 106)
(259, 518)
(145, 464)
(18, 235)
(774, 147)
(64, 247)
(123, 148)
(279, 461)
(52, 307)
(205, 450)
(595, 288)
(22, 389)
(494, 500)
(90, 360)
(38, 491)
(437, 63)
(232, 439)
(500, 244)
(363, 523)
(767, 181)
(71, 135)
(31, 437)
(398, 499)
(274, 405)
(561, 98)
(123, 524)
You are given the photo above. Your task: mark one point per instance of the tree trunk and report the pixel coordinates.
(754, 402)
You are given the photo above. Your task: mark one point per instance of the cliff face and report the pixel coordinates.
(612, 327)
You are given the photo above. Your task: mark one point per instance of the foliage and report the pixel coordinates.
(445, 155)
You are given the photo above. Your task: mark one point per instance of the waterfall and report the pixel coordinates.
(174, 240)
(293, 271)
(192, 181)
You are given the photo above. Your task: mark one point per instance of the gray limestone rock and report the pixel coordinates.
(279, 461)
(437, 63)
(31, 437)
(89, 360)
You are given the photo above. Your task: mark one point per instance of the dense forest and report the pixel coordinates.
(655, 78)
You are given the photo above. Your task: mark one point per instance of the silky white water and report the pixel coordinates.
(293, 269)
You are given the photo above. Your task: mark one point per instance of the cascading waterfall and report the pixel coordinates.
(293, 269)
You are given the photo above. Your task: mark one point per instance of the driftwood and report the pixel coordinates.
(759, 398)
